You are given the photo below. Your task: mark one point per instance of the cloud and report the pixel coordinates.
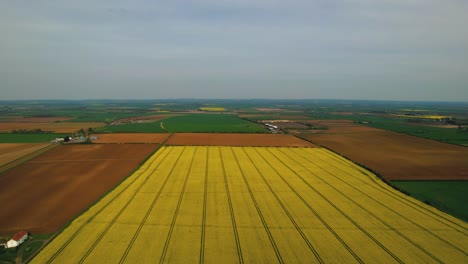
(188, 47)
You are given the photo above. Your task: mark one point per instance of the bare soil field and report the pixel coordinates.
(294, 125)
(12, 151)
(395, 156)
(434, 125)
(25, 119)
(61, 127)
(340, 126)
(257, 205)
(45, 193)
(131, 138)
(260, 140)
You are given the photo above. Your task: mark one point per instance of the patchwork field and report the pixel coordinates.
(28, 138)
(393, 155)
(449, 196)
(257, 205)
(61, 127)
(206, 122)
(11, 154)
(45, 193)
(227, 139)
(12, 151)
(340, 127)
(131, 138)
(24, 119)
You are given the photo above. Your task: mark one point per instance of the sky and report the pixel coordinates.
(239, 49)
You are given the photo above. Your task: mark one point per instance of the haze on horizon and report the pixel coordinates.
(239, 49)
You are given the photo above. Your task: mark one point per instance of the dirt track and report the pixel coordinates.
(258, 140)
(393, 155)
(43, 194)
(131, 138)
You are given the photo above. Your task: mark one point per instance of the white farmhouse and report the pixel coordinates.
(17, 239)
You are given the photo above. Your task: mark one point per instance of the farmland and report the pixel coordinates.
(46, 192)
(219, 123)
(149, 127)
(230, 139)
(449, 196)
(11, 154)
(131, 138)
(11, 151)
(59, 127)
(394, 156)
(257, 205)
(27, 138)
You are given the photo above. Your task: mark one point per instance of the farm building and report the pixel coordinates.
(17, 239)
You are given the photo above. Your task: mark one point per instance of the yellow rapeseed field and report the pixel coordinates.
(437, 117)
(257, 205)
(212, 109)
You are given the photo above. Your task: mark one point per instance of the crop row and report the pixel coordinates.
(246, 204)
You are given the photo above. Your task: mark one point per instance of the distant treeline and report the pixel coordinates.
(30, 131)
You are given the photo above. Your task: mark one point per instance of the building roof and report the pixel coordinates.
(19, 235)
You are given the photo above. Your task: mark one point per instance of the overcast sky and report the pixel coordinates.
(136, 49)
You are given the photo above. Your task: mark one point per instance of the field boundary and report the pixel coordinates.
(231, 209)
(10, 165)
(299, 230)
(379, 179)
(376, 241)
(262, 218)
(379, 218)
(403, 197)
(101, 209)
(307, 204)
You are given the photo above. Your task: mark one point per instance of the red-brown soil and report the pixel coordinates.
(60, 127)
(395, 156)
(51, 119)
(42, 195)
(131, 138)
(340, 126)
(293, 125)
(12, 151)
(259, 140)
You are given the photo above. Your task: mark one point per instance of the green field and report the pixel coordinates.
(27, 138)
(219, 123)
(447, 196)
(153, 127)
(400, 125)
(8, 255)
(447, 135)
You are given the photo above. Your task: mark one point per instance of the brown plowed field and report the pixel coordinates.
(61, 127)
(256, 140)
(293, 125)
(131, 138)
(393, 155)
(340, 126)
(12, 151)
(42, 195)
(24, 119)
